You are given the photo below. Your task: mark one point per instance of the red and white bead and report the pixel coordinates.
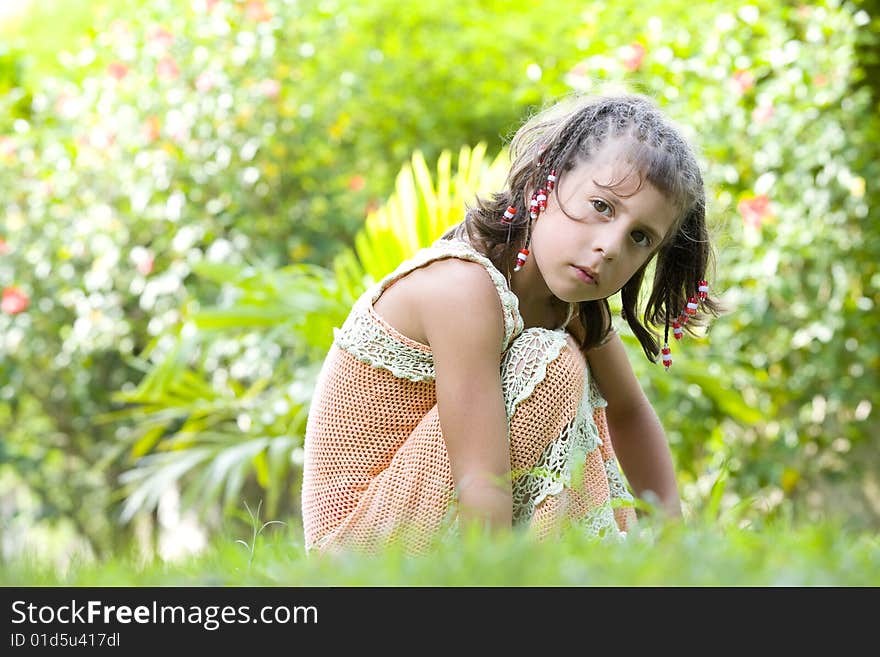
(551, 180)
(509, 214)
(686, 314)
(703, 290)
(542, 199)
(521, 258)
(533, 206)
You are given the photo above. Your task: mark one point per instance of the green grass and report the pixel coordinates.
(655, 555)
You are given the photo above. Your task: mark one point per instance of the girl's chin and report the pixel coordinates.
(579, 295)
(572, 289)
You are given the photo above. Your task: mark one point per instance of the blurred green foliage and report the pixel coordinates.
(184, 193)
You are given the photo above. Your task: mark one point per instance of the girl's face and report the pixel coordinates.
(615, 231)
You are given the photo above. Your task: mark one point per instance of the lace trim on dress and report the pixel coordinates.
(601, 522)
(619, 491)
(553, 469)
(367, 340)
(524, 365)
(596, 398)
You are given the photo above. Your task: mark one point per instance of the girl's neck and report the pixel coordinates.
(551, 316)
(537, 306)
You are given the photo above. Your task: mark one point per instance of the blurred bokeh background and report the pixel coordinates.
(193, 192)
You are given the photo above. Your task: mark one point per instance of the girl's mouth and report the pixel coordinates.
(587, 276)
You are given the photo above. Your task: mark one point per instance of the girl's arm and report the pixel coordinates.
(636, 433)
(461, 316)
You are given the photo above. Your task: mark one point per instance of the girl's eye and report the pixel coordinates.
(641, 238)
(602, 207)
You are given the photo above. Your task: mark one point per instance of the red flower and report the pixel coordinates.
(256, 10)
(66, 106)
(117, 70)
(145, 265)
(580, 69)
(743, 80)
(755, 210)
(7, 147)
(4, 247)
(204, 82)
(270, 88)
(167, 69)
(356, 183)
(14, 301)
(763, 113)
(152, 128)
(371, 206)
(632, 56)
(161, 37)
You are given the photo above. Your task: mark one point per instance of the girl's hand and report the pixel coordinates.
(636, 433)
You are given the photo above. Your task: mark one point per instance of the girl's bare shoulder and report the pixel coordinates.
(444, 294)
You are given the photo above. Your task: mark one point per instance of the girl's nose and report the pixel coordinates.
(607, 244)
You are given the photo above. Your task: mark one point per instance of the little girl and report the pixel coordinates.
(473, 382)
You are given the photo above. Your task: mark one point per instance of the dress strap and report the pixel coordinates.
(443, 248)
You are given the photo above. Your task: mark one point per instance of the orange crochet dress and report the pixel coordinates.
(375, 466)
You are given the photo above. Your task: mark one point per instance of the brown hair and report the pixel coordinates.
(572, 131)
